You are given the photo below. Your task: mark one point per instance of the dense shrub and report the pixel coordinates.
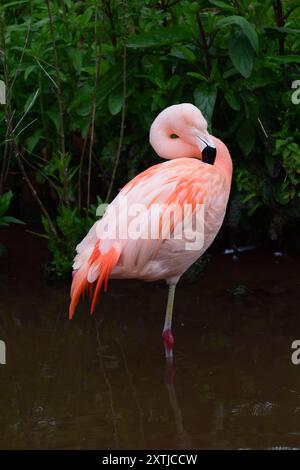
(86, 78)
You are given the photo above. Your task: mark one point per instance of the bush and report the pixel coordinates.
(86, 79)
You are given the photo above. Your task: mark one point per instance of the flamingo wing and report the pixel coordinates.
(173, 183)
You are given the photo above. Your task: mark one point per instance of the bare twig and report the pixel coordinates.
(205, 44)
(34, 192)
(46, 177)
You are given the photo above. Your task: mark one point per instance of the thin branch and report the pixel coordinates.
(91, 126)
(205, 44)
(278, 10)
(45, 71)
(59, 102)
(46, 177)
(122, 127)
(34, 192)
(24, 48)
(109, 14)
(27, 110)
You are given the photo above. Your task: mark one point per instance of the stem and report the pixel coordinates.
(122, 128)
(205, 44)
(93, 113)
(41, 103)
(72, 83)
(91, 117)
(33, 191)
(109, 14)
(59, 102)
(278, 10)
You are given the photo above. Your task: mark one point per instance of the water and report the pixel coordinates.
(101, 382)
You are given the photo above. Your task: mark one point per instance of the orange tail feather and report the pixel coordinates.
(80, 282)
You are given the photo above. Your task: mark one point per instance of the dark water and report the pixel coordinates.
(100, 382)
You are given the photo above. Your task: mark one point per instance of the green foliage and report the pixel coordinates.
(71, 227)
(235, 60)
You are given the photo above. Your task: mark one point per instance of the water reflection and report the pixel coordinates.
(183, 439)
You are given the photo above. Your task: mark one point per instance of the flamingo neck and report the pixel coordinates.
(223, 161)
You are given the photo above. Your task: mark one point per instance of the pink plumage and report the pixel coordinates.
(186, 180)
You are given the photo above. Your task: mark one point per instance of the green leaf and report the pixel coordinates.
(76, 57)
(246, 137)
(114, 77)
(53, 115)
(247, 28)
(183, 52)
(3, 250)
(33, 139)
(6, 220)
(283, 29)
(84, 20)
(205, 99)
(83, 96)
(5, 200)
(28, 71)
(199, 76)
(231, 100)
(115, 102)
(160, 37)
(30, 101)
(222, 5)
(286, 59)
(17, 3)
(241, 54)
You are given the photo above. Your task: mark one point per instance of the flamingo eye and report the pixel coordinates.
(174, 136)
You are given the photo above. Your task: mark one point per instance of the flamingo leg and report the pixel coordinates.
(167, 335)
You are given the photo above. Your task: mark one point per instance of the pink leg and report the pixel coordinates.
(167, 335)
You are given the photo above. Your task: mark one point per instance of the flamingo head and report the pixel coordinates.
(181, 131)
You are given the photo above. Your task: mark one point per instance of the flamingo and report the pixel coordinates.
(197, 173)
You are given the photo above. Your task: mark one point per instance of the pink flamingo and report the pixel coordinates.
(197, 175)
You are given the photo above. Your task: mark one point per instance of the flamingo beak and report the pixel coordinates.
(207, 147)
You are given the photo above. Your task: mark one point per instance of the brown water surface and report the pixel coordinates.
(100, 382)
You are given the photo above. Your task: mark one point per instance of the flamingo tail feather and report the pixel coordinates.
(81, 282)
